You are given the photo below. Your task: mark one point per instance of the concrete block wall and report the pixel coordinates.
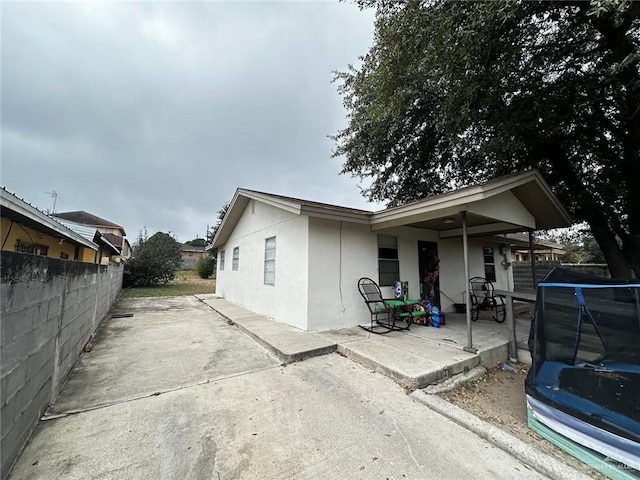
(49, 309)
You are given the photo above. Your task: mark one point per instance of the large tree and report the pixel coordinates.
(452, 93)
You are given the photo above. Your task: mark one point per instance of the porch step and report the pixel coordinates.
(406, 361)
(287, 343)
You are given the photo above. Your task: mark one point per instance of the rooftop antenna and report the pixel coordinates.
(54, 196)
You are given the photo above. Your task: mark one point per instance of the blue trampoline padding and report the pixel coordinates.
(589, 285)
(546, 386)
(607, 443)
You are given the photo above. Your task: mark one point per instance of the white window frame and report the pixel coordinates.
(221, 259)
(488, 253)
(235, 260)
(270, 261)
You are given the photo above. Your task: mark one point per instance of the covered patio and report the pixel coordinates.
(522, 202)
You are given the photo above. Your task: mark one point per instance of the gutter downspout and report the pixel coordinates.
(465, 249)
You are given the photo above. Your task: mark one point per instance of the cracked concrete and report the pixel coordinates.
(176, 392)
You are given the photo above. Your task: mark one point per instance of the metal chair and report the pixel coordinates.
(386, 313)
(482, 296)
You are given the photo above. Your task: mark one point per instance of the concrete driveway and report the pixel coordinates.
(174, 392)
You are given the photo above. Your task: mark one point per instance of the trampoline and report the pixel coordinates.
(584, 382)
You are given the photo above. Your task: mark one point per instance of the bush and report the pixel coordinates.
(155, 261)
(206, 266)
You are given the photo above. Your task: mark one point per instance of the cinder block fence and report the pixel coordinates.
(49, 309)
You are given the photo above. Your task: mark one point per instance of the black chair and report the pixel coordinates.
(482, 298)
(387, 314)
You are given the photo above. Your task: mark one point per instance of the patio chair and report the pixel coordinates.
(482, 298)
(387, 314)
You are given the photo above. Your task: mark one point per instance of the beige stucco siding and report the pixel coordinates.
(339, 254)
(286, 301)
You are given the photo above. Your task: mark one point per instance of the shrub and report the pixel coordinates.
(155, 261)
(206, 266)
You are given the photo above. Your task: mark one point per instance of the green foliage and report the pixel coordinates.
(579, 245)
(454, 93)
(221, 213)
(197, 242)
(155, 261)
(206, 266)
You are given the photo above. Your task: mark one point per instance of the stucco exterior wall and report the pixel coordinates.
(13, 231)
(452, 281)
(286, 301)
(339, 254)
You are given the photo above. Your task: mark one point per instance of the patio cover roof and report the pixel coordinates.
(513, 203)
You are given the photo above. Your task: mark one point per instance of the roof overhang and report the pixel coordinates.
(103, 241)
(509, 204)
(20, 211)
(243, 197)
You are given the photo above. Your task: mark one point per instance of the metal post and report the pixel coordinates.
(511, 330)
(533, 260)
(465, 249)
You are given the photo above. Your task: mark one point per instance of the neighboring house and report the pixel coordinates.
(190, 255)
(299, 261)
(543, 250)
(26, 229)
(107, 251)
(113, 232)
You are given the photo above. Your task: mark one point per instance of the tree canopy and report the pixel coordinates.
(454, 93)
(221, 213)
(155, 260)
(197, 242)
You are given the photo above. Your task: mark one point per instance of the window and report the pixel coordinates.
(221, 259)
(23, 246)
(489, 264)
(236, 258)
(270, 261)
(64, 256)
(388, 264)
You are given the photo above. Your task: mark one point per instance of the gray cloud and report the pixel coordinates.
(154, 113)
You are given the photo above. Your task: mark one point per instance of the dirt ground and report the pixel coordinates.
(191, 277)
(499, 398)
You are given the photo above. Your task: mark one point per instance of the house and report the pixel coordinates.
(26, 229)
(299, 261)
(543, 250)
(112, 232)
(190, 255)
(107, 251)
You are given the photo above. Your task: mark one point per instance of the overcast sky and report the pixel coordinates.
(153, 113)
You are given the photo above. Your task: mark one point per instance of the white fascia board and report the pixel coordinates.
(13, 203)
(292, 207)
(331, 214)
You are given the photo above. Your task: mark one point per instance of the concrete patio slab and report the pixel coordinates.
(165, 345)
(288, 343)
(415, 358)
(323, 418)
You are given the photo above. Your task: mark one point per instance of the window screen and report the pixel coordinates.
(270, 261)
(388, 264)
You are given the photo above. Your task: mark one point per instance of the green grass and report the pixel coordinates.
(185, 283)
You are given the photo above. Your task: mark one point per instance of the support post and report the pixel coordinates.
(533, 260)
(465, 249)
(511, 329)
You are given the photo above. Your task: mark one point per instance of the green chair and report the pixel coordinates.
(387, 314)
